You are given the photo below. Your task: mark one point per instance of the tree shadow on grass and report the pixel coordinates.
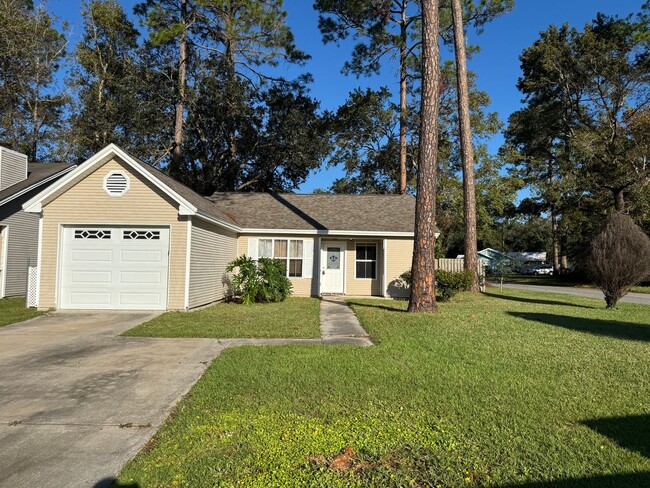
(610, 328)
(622, 480)
(376, 305)
(631, 432)
(535, 300)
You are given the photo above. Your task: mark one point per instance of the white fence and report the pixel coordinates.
(457, 266)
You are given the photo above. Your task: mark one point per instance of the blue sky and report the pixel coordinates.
(497, 64)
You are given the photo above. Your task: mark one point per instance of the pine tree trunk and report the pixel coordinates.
(423, 286)
(233, 169)
(555, 237)
(467, 149)
(177, 154)
(619, 201)
(402, 102)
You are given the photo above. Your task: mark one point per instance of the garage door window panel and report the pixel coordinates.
(92, 234)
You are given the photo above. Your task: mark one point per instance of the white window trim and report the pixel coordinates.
(357, 244)
(4, 233)
(125, 176)
(288, 257)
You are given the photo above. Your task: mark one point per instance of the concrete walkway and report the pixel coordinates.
(77, 400)
(339, 324)
(642, 298)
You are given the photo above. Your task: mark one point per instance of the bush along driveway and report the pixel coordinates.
(513, 389)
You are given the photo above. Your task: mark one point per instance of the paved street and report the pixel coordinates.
(580, 292)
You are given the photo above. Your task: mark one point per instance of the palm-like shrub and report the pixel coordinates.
(263, 280)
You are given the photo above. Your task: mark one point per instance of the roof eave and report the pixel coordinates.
(37, 184)
(220, 223)
(328, 232)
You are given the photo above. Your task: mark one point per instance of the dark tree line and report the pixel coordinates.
(196, 93)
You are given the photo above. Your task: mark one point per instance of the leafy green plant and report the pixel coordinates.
(274, 284)
(406, 277)
(449, 283)
(259, 281)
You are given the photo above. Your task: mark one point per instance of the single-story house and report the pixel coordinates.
(19, 182)
(492, 258)
(527, 260)
(116, 233)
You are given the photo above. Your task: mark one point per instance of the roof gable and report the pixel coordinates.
(189, 202)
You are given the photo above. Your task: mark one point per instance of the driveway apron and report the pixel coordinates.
(77, 401)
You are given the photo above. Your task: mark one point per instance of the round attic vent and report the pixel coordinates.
(116, 184)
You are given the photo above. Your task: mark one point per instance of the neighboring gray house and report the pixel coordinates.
(20, 181)
(492, 258)
(527, 260)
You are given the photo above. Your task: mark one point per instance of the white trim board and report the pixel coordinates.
(188, 263)
(320, 232)
(4, 232)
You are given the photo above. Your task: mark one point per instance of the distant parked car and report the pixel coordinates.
(543, 269)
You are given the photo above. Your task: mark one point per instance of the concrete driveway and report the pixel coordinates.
(77, 401)
(642, 298)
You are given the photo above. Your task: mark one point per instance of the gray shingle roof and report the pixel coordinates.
(36, 173)
(203, 205)
(378, 213)
(363, 213)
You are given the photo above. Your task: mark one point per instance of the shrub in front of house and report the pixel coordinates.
(448, 283)
(259, 281)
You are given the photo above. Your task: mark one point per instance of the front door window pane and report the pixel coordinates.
(333, 258)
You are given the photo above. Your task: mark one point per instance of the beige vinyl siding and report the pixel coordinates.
(13, 168)
(398, 260)
(212, 249)
(22, 243)
(362, 286)
(399, 255)
(302, 287)
(86, 203)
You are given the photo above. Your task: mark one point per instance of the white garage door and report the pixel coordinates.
(114, 268)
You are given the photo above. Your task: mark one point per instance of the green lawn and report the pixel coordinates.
(546, 280)
(513, 389)
(294, 318)
(13, 310)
